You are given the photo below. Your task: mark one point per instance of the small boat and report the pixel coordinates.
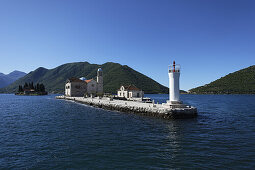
(147, 100)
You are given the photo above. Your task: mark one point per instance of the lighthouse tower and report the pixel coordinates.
(174, 89)
(100, 81)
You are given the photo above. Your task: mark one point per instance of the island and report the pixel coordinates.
(32, 90)
(129, 98)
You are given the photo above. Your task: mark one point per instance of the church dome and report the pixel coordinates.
(99, 69)
(83, 78)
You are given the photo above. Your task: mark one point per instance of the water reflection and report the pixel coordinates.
(172, 141)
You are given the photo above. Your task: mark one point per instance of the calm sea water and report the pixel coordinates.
(44, 133)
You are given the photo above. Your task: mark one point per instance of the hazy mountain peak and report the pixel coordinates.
(5, 80)
(15, 75)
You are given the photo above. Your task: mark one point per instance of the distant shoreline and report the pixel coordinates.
(145, 94)
(31, 94)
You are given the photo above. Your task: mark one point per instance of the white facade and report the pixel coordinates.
(75, 87)
(122, 92)
(129, 92)
(68, 89)
(174, 89)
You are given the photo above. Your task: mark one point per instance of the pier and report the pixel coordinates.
(179, 111)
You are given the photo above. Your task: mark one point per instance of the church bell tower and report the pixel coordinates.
(100, 81)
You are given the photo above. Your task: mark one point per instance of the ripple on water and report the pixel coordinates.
(41, 132)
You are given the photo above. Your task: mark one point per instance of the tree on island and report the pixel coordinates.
(31, 85)
(21, 88)
(25, 86)
(40, 87)
(32, 89)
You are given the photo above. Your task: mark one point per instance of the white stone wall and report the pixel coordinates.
(75, 89)
(125, 94)
(129, 94)
(68, 89)
(135, 94)
(122, 93)
(119, 94)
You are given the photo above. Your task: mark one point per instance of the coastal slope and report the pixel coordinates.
(239, 82)
(114, 75)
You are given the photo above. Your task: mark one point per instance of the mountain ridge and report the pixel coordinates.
(238, 82)
(114, 75)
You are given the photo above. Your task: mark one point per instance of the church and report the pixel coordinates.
(79, 87)
(130, 92)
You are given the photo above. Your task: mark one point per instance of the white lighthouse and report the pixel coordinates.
(174, 88)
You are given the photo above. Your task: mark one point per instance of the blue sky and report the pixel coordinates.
(209, 38)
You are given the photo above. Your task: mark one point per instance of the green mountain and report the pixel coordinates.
(239, 82)
(114, 76)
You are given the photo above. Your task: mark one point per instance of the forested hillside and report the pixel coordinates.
(114, 76)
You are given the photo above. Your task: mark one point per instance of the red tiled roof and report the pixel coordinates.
(74, 79)
(131, 87)
(87, 81)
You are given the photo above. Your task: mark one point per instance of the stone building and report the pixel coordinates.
(130, 92)
(76, 87)
(91, 86)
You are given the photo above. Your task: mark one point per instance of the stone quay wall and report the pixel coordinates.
(146, 109)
